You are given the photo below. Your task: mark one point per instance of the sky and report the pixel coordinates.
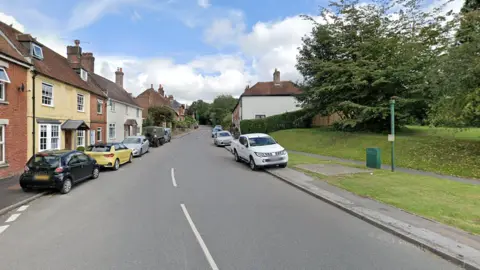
(196, 49)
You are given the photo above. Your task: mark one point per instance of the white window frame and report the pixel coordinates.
(112, 106)
(82, 133)
(138, 112)
(2, 143)
(52, 98)
(83, 102)
(110, 134)
(99, 137)
(48, 141)
(38, 56)
(83, 74)
(2, 84)
(264, 116)
(99, 101)
(2, 91)
(126, 110)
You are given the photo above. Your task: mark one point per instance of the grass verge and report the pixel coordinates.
(449, 202)
(415, 148)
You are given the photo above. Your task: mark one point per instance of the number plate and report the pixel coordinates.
(41, 177)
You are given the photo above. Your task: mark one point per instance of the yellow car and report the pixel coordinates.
(110, 155)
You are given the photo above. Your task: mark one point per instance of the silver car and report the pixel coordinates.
(139, 145)
(222, 138)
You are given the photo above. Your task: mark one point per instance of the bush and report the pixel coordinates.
(289, 120)
(81, 148)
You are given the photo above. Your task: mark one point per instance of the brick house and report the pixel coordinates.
(266, 99)
(98, 102)
(13, 109)
(178, 107)
(151, 98)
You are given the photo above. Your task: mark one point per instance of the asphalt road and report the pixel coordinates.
(212, 214)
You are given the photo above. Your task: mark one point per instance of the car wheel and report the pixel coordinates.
(66, 186)
(95, 173)
(116, 165)
(26, 189)
(284, 165)
(237, 158)
(252, 164)
(130, 159)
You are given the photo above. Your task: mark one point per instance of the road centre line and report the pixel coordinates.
(174, 182)
(210, 260)
(3, 228)
(22, 208)
(13, 217)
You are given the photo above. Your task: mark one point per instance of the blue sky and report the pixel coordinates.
(196, 49)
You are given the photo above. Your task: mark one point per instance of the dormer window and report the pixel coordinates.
(37, 51)
(83, 74)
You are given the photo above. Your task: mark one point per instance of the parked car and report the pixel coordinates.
(222, 138)
(58, 169)
(259, 150)
(215, 130)
(219, 127)
(168, 135)
(154, 135)
(110, 155)
(139, 145)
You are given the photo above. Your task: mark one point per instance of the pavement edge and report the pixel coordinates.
(20, 203)
(443, 254)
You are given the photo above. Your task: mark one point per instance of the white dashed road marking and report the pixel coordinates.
(3, 228)
(210, 260)
(173, 178)
(12, 218)
(22, 208)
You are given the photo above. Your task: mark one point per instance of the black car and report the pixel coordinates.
(58, 169)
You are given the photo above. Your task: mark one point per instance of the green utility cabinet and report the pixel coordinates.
(374, 159)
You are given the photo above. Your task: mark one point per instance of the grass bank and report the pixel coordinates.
(434, 150)
(449, 202)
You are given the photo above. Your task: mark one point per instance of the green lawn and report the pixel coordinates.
(452, 203)
(434, 150)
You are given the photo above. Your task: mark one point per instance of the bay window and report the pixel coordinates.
(49, 137)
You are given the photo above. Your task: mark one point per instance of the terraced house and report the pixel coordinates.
(13, 108)
(58, 97)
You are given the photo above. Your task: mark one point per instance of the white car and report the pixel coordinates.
(139, 145)
(259, 150)
(222, 138)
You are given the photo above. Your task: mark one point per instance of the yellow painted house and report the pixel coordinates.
(58, 96)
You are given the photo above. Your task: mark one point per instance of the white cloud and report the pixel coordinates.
(10, 20)
(203, 3)
(136, 16)
(225, 30)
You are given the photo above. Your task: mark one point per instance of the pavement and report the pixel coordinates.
(400, 169)
(189, 205)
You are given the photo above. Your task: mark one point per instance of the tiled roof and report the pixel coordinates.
(52, 65)
(285, 88)
(114, 91)
(7, 49)
(175, 104)
(157, 98)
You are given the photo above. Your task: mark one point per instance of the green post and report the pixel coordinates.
(392, 126)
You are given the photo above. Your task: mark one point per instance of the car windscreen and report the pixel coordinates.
(223, 134)
(98, 148)
(49, 161)
(261, 141)
(132, 140)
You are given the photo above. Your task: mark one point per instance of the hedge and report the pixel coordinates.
(289, 120)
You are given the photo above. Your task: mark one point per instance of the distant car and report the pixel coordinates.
(259, 150)
(218, 126)
(110, 155)
(168, 135)
(139, 145)
(215, 130)
(58, 169)
(222, 138)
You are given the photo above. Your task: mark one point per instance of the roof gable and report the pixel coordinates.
(284, 88)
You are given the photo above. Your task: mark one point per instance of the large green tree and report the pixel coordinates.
(361, 55)
(222, 106)
(200, 108)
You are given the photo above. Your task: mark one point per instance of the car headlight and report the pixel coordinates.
(283, 152)
(261, 154)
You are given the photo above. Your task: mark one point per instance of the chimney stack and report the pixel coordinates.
(276, 77)
(88, 62)
(119, 77)
(74, 54)
(160, 90)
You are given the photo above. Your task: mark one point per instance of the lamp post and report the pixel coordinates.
(392, 130)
